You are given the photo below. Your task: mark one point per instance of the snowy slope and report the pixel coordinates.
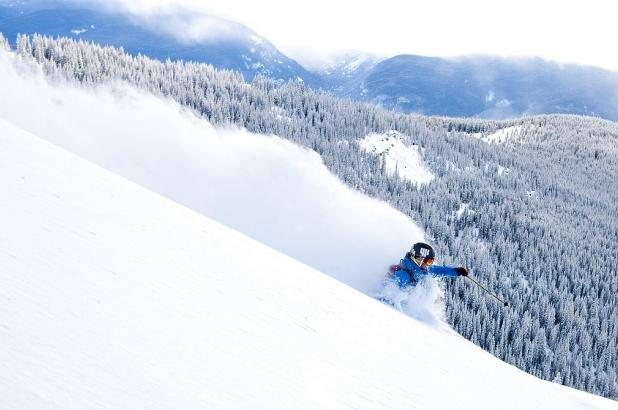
(265, 187)
(399, 158)
(501, 136)
(114, 297)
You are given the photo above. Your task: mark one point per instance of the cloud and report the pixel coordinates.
(437, 28)
(184, 20)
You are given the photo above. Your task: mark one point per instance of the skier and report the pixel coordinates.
(418, 262)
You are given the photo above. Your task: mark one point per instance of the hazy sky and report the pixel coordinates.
(566, 31)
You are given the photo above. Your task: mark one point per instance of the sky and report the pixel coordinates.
(567, 31)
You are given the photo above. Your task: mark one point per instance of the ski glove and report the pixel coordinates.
(461, 271)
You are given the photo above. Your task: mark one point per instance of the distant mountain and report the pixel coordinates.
(489, 87)
(477, 86)
(344, 73)
(244, 51)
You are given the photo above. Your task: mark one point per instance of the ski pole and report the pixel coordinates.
(488, 291)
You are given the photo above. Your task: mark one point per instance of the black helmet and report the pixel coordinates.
(422, 254)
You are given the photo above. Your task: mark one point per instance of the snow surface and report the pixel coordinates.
(502, 170)
(404, 160)
(351, 66)
(462, 208)
(501, 136)
(112, 296)
(263, 186)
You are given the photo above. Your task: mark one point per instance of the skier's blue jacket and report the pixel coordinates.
(409, 273)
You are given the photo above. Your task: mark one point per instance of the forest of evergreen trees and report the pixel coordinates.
(541, 219)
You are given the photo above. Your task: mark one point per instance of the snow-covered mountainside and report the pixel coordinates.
(399, 158)
(475, 86)
(529, 208)
(343, 73)
(501, 136)
(231, 45)
(489, 87)
(267, 188)
(114, 297)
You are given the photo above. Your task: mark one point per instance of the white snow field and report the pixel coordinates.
(399, 158)
(113, 297)
(501, 136)
(265, 187)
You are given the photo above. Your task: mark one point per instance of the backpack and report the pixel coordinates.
(394, 268)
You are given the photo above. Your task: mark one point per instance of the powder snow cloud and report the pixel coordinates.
(272, 190)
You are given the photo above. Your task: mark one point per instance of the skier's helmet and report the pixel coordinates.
(422, 254)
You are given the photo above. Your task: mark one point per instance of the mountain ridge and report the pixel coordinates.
(244, 51)
(470, 86)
